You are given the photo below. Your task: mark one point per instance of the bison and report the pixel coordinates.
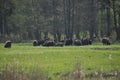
(35, 43)
(40, 42)
(77, 42)
(68, 42)
(49, 43)
(8, 44)
(106, 41)
(86, 41)
(61, 44)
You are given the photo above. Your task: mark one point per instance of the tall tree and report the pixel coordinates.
(69, 18)
(6, 9)
(108, 17)
(105, 16)
(93, 18)
(117, 27)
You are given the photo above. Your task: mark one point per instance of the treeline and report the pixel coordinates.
(59, 19)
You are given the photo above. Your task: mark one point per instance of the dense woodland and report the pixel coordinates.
(24, 20)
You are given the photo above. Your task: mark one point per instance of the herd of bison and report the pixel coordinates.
(67, 42)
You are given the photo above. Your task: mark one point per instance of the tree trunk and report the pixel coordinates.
(77, 35)
(117, 28)
(65, 17)
(102, 25)
(55, 36)
(59, 36)
(3, 25)
(92, 18)
(3, 17)
(45, 35)
(119, 18)
(108, 18)
(54, 20)
(72, 21)
(69, 18)
(36, 33)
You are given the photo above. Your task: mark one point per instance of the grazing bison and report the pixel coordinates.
(77, 42)
(61, 44)
(106, 41)
(41, 42)
(35, 43)
(86, 41)
(7, 44)
(49, 43)
(89, 41)
(68, 42)
(62, 41)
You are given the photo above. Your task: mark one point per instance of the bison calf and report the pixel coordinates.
(7, 44)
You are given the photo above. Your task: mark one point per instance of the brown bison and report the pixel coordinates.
(8, 44)
(106, 41)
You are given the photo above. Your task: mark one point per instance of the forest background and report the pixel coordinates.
(24, 20)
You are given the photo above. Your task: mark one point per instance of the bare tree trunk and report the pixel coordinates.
(69, 18)
(65, 17)
(119, 18)
(77, 35)
(54, 20)
(45, 35)
(3, 18)
(3, 26)
(108, 18)
(33, 25)
(93, 15)
(72, 19)
(101, 22)
(77, 19)
(59, 36)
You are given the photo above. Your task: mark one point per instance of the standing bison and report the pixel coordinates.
(86, 41)
(60, 44)
(40, 42)
(7, 44)
(106, 41)
(49, 43)
(35, 43)
(77, 42)
(68, 42)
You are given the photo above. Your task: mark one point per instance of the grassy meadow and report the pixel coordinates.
(52, 62)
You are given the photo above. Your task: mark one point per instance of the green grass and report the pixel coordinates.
(61, 59)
